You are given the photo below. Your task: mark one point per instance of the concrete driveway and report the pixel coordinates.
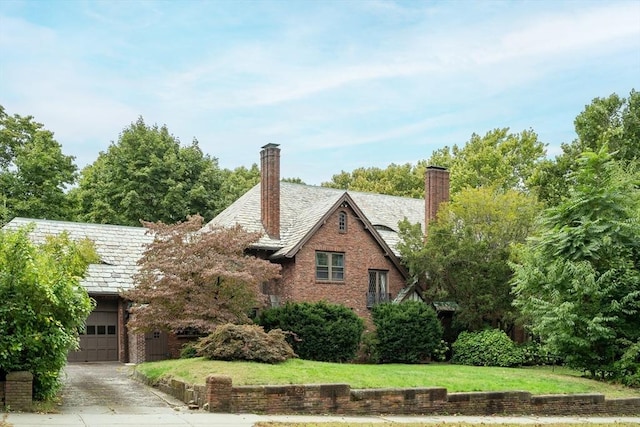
(108, 388)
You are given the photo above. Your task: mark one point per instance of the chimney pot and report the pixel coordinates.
(270, 189)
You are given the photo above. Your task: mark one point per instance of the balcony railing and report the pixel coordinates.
(374, 298)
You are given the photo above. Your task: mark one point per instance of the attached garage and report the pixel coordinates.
(99, 341)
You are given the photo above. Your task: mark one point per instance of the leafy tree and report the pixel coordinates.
(33, 171)
(234, 183)
(405, 333)
(578, 281)
(148, 176)
(197, 279)
(43, 305)
(466, 253)
(498, 159)
(396, 180)
(612, 121)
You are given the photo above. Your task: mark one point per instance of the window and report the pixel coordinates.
(342, 222)
(378, 292)
(330, 266)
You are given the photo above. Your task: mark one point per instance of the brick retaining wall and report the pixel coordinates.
(219, 395)
(17, 391)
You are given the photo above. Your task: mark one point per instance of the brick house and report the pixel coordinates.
(333, 245)
(106, 337)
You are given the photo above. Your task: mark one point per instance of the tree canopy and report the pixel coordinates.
(43, 305)
(197, 279)
(34, 173)
(147, 175)
(396, 180)
(613, 122)
(466, 252)
(577, 282)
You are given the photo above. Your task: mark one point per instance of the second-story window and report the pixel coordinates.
(330, 266)
(342, 222)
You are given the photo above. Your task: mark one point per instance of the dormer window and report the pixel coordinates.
(342, 222)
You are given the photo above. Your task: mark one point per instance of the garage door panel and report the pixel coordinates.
(99, 342)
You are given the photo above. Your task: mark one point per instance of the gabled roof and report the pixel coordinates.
(302, 207)
(119, 248)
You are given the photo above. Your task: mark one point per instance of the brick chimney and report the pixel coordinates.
(436, 191)
(270, 189)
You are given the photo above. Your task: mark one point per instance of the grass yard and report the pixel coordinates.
(455, 378)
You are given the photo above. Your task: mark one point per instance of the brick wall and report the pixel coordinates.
(222, 396)
(362, 253)
(137, 348)
(17, 391)
(219, 395)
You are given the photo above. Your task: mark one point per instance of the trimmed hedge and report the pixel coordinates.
(321, 331)
(409, 332)
(491, 347)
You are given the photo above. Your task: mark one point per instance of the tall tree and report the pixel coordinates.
(236, 182)
(197, 279)
(612, 121)
(498, 159)
(466, 253)
(578, 281)
(397, 180)
(148, 176)
(43, 305)
(34, 173)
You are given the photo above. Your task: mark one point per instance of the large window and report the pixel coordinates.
(330, 266)
(378, 291)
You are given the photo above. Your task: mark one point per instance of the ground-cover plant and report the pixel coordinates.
(322, 331)
(456, 378)
(405, 333)
(245, 342)
(491, 347)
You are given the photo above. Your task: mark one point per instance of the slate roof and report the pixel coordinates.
(119, 248)
(302, 206)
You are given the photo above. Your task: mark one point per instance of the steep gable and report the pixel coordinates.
(302, 207)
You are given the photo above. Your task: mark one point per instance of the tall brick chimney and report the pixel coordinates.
(270, 189)
(436, 191)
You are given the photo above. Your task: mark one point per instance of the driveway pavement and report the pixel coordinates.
(104, 394)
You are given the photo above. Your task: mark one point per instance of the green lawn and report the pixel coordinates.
(455, 378)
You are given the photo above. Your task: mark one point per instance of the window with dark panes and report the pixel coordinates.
(342, 222)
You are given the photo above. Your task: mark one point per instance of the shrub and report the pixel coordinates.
(188, 351)
(535, 354)
(245, 342)
(491, 347)
(627, 369)
(321, 331)
(407, 332)
(42, 305)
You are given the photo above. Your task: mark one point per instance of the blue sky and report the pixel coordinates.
(339, 84)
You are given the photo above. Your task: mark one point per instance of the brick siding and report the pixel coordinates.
(362, 253)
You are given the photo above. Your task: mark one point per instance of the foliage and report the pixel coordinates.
(577, 281)
(34, 172)
(612, 121)
(188, 350)
(490, 347)
(498, 159)
(407, 332)
(234, 183)
(193, 278)
(148, 176)
(43, 305)
(245, 342)
(397, 180)
(466, 253)
(534, 353)
(321, 331)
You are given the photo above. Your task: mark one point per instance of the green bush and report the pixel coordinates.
(627, 369)
(189, 351)
(407, 332)
(321, 331)
(43, 306)
(535, 354)
(491, 347)
(245, 342)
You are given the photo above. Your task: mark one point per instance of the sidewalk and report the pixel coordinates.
(162, 417)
